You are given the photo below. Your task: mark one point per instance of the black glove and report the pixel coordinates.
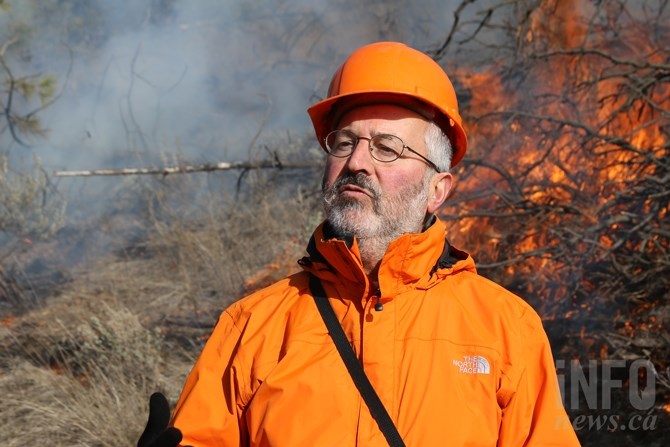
(157, 432)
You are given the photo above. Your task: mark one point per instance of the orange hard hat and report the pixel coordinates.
(392, 73)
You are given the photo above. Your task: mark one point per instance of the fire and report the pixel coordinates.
(561, 195)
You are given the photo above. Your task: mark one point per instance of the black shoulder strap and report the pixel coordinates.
(353, 366)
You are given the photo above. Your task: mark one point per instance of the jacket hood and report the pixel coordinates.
(412, 261)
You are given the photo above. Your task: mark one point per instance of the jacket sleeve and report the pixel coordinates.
(210, 409)
(534, 415)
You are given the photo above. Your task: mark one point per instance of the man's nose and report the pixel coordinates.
(360, 159)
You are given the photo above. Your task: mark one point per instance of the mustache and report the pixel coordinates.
(360, 180)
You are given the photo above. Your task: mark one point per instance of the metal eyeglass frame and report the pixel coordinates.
(355, 139)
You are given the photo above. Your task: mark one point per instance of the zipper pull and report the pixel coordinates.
(378, 305)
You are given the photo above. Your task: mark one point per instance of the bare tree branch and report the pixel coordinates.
(187, 169)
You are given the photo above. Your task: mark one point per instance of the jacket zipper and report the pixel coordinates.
(377, 297)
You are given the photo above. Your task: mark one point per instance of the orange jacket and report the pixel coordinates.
(456, 359)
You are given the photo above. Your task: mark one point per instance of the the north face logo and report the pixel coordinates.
(473, 364)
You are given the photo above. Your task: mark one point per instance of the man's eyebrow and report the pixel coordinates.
(373, 133)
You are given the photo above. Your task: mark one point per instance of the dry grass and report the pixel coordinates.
(82, 381)
(78, 368)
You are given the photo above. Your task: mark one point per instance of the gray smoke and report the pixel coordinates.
(156, 78)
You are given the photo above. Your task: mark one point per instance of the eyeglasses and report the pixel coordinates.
(383, 147)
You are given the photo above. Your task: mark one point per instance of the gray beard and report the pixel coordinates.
(377, 224)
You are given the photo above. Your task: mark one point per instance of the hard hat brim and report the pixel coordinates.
(326, 114)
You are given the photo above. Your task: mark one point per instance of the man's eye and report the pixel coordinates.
(343, 146)
(386, 145)
(385, 150)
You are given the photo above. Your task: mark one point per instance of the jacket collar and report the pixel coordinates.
(414, 260)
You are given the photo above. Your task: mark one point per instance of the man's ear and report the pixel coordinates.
(440, 187)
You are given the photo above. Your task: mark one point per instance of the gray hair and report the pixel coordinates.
(439, 147)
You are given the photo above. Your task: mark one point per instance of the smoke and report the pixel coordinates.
(198, 79)
(150, 82)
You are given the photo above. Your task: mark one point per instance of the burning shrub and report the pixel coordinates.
(567, 182)
(568, 177)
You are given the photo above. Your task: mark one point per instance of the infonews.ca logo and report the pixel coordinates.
(613, 395)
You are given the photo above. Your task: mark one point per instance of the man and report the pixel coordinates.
(454, 358)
